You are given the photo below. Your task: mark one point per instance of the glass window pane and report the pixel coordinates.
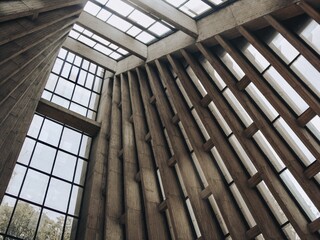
(58, 195)
(78, 109)
(134, 31)
(104, 15)
(46, 95)
(300, 195)
(89, 81)
(255, 57)
(246, 161)
(62, 53)
(115, 55)
(119, 23)
(213, 74)
(34, 186)
(237, 107)
(120, 7)
(184, 93)
(218, 116)
(262, 102)
(16, 180)
(175, 3)
(51, 225)
(145, 37)
(24, 220)
(314, 126)
(87, 41)
(78, 61)
(57, 66)
(310, 33)
(74, 34)
(232, 65)
(103, 49)
(94, 101)
(194, 8)
(272, 203)
(64, 88)
(6, 209)
(92, 68)
(80, 172)
(70, 140)
(81, 96)
(70, 229)
(50, 132)
(282, 47)
(60, 101)
(159, 29)
(196, 82)
(82, 77)
(290, 232)
(85, 64)
(288, 94)
(221, 165)
(74, 73)
(307, 73)
(243, 206)
(141, 18)
(64, 166)
(35, 126)
(294, 142)
(92, 8)
(91, 114)
(70, 57)
(85, 147)
(26, 151)
(75, 201)
(269, 151)
(97, 84)
(52, 81)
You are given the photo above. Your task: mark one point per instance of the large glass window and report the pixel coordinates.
(98, 43)
(124, 16)
(75, 83)
(198, 8)
(43, 198)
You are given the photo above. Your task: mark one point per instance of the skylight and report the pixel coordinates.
(123, 16)
(197, 8)
(98, 43)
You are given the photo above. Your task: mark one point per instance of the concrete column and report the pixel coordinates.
(133, 213)
(114, 184)
(92, 219)
(157, 228)
(174, 200)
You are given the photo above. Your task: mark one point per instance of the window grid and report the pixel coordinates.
(98, 43)
(75, 84)
(303, 154)
(198, 9)
(146, 28)
(304, 204)
(46, 209)
(231, 185)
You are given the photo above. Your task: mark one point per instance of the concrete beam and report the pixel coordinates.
(128, 63)
(170, 44)
(68, 117)
(237, 14)
(170, 14)
(15, 9)
(228, 18)
(91, 54)
(113, 35)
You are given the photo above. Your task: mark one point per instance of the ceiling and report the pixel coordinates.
(119, 29)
